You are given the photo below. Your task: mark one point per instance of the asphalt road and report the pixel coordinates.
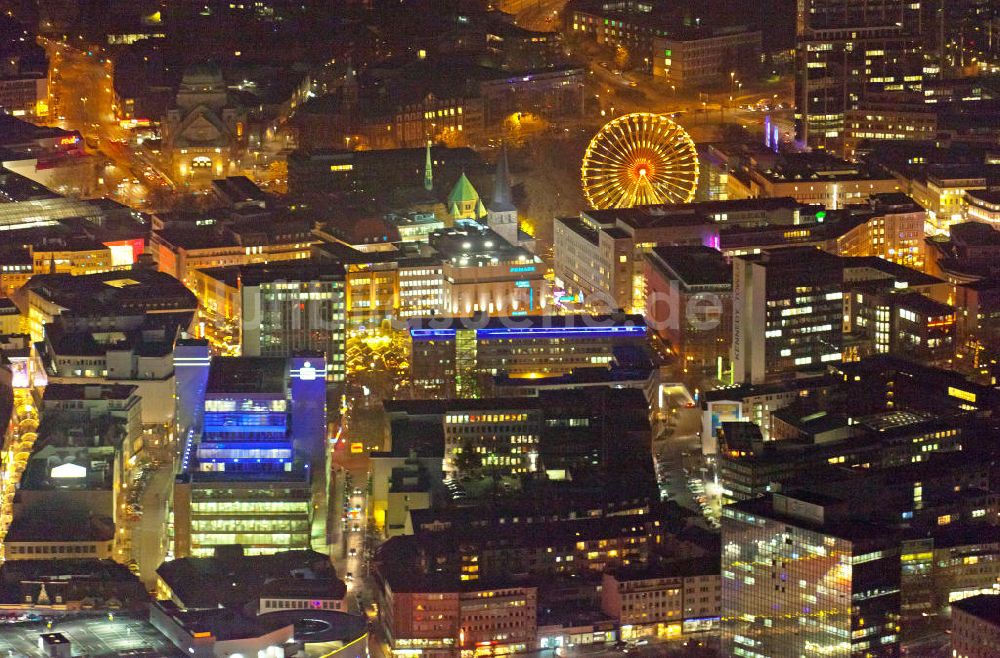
(149, 534)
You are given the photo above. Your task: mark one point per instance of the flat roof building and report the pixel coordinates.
(975, 626)
(600, 254)
(787, 312)
(781, 551)
(280, 308)
(255, 470)
(457, 357)
(689, 293)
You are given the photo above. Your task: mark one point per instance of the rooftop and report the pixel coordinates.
(294, 270)
(887, 268)
(579, 376)
(113, 293)
(741, 391)
(470, 244)
(235, 580)
(527, 325)
(975, 234)
(105, 571)
(16, 131)
(858, 531)
(706, 566)
(581, 228)
(45, 528)
(983, 197)
(247, 374)
(924, 305)
(699, 212)
(817, 167)
(809, 258)
(60, 392)
(224, 623)
(984, 606)
(238, 189)
(695, 265)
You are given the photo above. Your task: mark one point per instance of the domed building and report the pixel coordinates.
(204, 133)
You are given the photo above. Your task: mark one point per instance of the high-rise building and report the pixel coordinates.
(787, 312)
(599, 256)
(800, 577)
(256, 472)
(689, 303)
(849, 52)
(292, 307)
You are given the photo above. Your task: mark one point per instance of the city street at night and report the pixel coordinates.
(499, 328)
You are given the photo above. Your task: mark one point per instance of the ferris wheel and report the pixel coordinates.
(639, 159)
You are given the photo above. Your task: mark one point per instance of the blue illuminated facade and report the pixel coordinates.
(255, 473)
(243, 433)
(452, 357)
(523, 333)
(192, 361)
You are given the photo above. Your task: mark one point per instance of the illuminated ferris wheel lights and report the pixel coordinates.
(639, 159)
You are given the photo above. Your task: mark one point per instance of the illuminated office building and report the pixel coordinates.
(455, 357)
(599, 257)
(800, 577)
(848, 53)
(787, 312)
(255, 473)
(904, 323)
(697, 56)
(295, 306)
(983, 206)
(277, 308)
(460, 271)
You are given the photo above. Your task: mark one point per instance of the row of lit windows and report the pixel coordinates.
(265, 539)
(251, 508)
(47, 549)
(488, 418)
(250, 525)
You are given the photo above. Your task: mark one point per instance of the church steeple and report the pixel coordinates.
(428, 170)
(503, 197)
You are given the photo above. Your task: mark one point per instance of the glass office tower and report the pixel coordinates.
(249, 479)
(799, 578)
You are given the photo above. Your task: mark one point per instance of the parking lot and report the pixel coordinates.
(92, 635)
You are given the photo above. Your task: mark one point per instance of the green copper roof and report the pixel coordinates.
(463, 191)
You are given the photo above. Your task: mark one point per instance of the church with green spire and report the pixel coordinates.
(426, 206)
(464, 201)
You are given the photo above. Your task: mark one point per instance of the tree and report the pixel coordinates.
(467, 460)
(622, 57)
